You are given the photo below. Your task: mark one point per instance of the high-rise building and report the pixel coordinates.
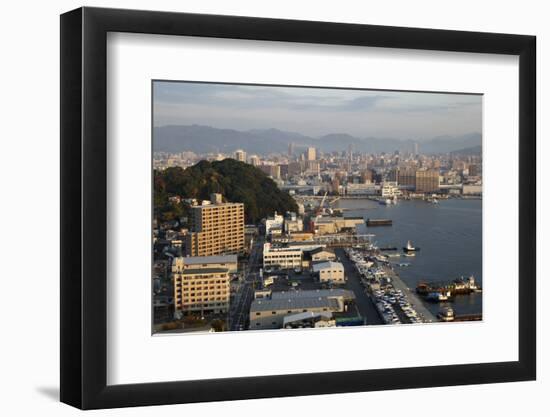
(473, 170)
(240, 155)
(290, 149)
(313, 167)
(294, 168)
(311, 154)
(274, 171)
(415, 148)
(366, 176)
(254, 160)
(406, 177)
(393, 175)
(427, 181)
(216, 228)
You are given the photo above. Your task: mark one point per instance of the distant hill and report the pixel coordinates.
(206, 139)
(445, 144)
(473, 150)
(237, 181)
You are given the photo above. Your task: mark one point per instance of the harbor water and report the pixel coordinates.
(449, 235)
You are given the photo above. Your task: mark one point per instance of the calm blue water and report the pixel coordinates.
(448, 234)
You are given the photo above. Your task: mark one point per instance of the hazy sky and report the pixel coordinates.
(317, 111)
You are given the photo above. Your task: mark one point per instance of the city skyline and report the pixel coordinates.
(314, 111)
(258, 229)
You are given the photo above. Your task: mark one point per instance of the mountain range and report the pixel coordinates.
(205, 139)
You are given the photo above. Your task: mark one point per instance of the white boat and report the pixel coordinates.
(446, 315)
(438, 296)
(409, 247)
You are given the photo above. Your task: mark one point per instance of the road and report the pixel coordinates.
(363, 303)
(240, 307)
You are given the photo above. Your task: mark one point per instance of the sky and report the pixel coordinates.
(317, 111)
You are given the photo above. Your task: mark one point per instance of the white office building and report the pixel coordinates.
(330, 272)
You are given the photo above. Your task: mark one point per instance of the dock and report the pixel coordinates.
(379, 222)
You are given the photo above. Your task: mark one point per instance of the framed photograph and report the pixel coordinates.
(257, 208)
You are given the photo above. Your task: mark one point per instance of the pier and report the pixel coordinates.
(411, 296)
(468, 317)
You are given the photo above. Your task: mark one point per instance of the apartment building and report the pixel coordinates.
(216, 228)
(406, 177)
(427, 181)
(202, 290)
(240, 155)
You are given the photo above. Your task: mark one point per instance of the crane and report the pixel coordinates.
(320, 209)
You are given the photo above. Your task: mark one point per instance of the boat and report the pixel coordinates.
(446, 314)
(438, 297)
(409, 247)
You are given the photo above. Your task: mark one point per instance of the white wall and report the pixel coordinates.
(30, 203)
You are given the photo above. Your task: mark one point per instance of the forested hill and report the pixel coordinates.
(237, 181)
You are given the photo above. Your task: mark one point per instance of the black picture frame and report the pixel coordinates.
(84, 207)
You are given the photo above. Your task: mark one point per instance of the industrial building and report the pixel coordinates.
(330, 272)
(309, 320)
(322, 254)
(270, 313)
(333, 224)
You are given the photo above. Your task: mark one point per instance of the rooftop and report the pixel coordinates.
(318, 250)
(214, 205)
(220, 259)
(204, 271)
(327, 265)
(278, 304)
(333, 292)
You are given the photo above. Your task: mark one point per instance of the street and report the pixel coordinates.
(240, 307)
